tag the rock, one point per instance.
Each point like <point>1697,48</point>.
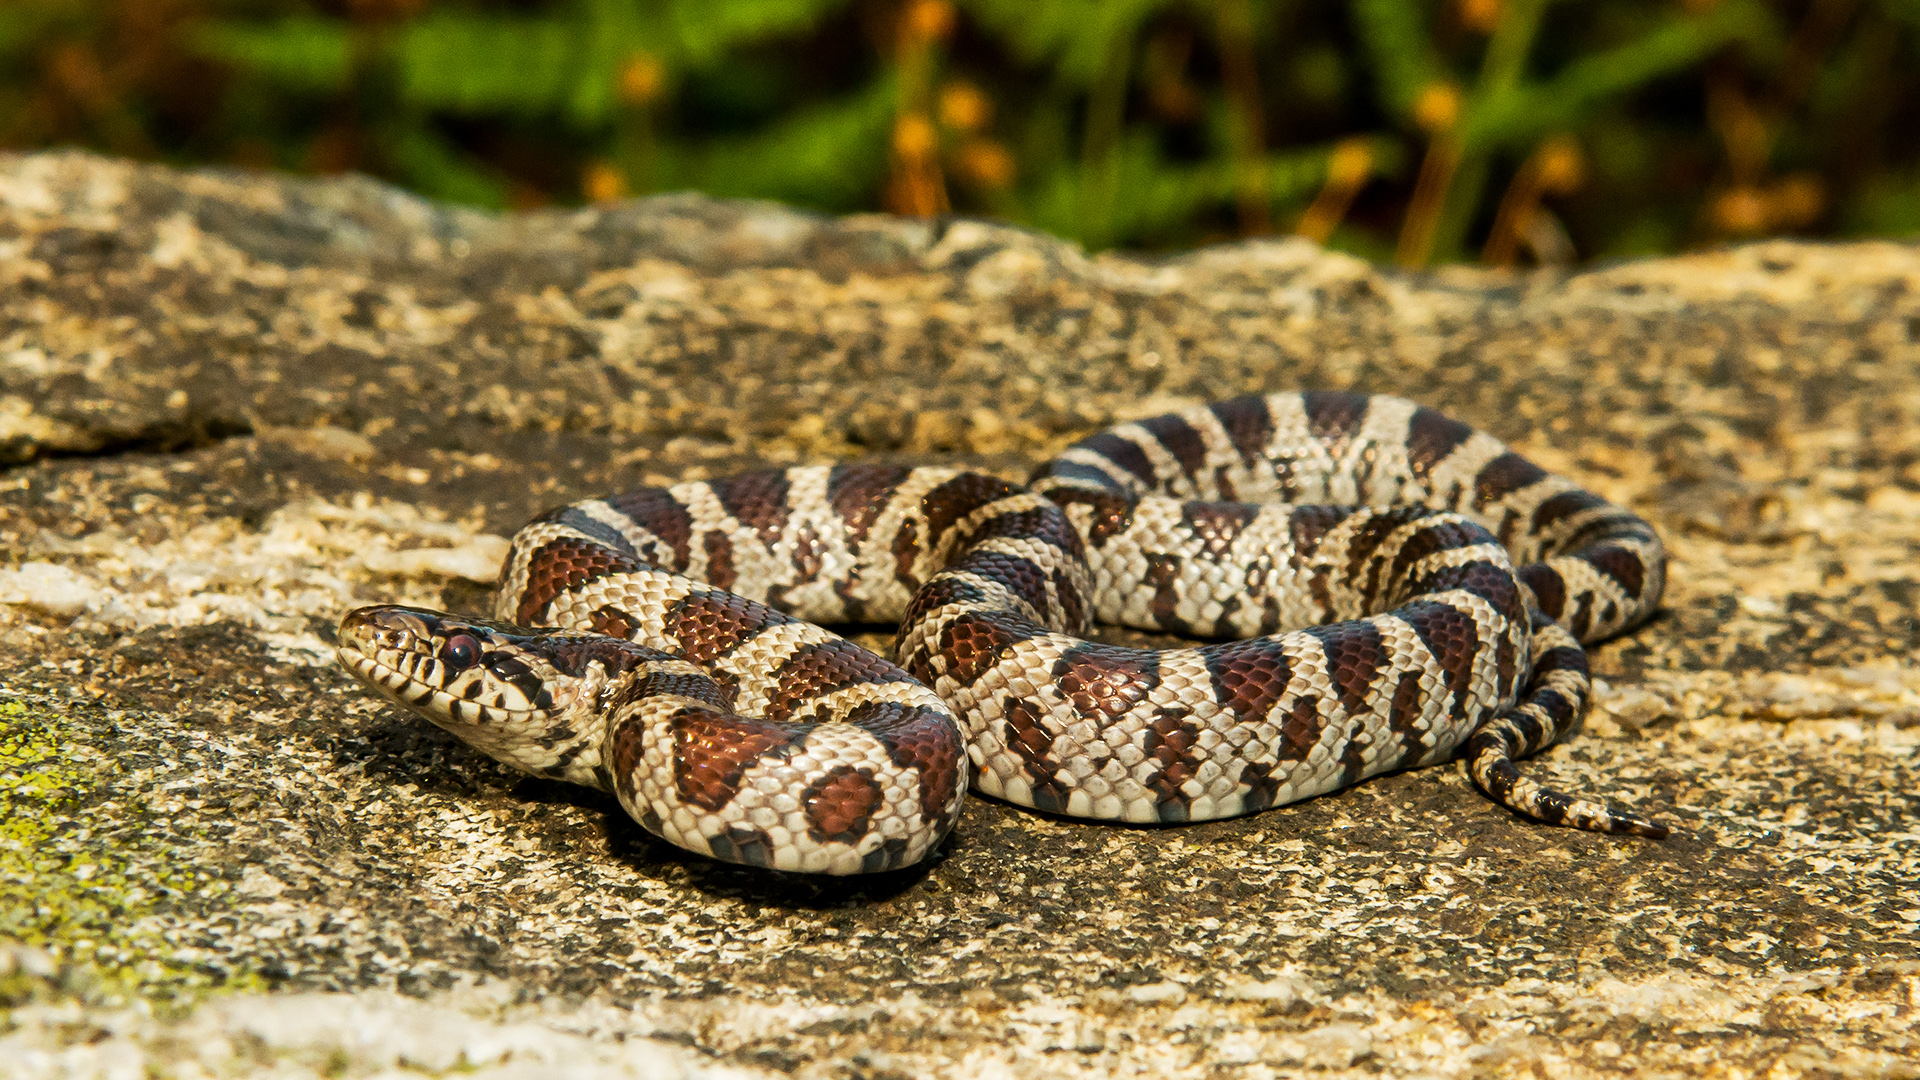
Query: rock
<point>236,405</point>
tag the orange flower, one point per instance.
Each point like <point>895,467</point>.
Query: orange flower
<point>985,163</point>
<point>1563,168</point>
<point>1742,210</point>
<point>926,21</point>
<point>641,79</point>
<point>1481,16</point>
<point>963,107</point>
<point>1437,107</point>
<point>602,182</point>
<point>913,136</point>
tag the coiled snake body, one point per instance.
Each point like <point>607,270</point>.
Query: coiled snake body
<point>1358,551</point>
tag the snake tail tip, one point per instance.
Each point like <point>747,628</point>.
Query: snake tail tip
<point>1635,825</point>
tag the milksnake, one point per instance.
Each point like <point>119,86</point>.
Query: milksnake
<point>1358,552</point>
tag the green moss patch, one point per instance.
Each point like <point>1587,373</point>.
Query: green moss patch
<point>80,875</point>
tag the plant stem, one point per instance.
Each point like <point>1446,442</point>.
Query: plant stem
<point>1251,197</point>
<point>1429,192</point>
<point>1500,71</point>
<point>1099,164</point>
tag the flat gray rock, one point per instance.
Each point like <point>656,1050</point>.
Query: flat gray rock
<point>235,406</point>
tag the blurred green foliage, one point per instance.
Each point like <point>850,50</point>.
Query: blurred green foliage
<point>1509,130</point>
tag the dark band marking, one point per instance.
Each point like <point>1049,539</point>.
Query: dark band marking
<point>719,551</point>
<point>1125,453</point>
<point>1558,708</point>
<point>1580,623</point>
<point>1028,738</point>
<point>686,684</point>
<point>710,625</point>
<point>1353,756</point>
<point>1300,729</point>
<point>1429,540</point>
<point>1619,525</point>
<point>1491,582</point>
<point>580,521</point>
<point>1163,577</point>
<point>573,656</point>
<point>1170,740</point>
<point>561,565</point>
<point>1502,477</point>
<point>1623,566</point>
<point>1356,654</point>
<point>1181,440</point>
<point>919,739</point>
<point>1112,512</point>
<point>859,493</point>
<point>1406,716</point>
<point>959,498</point>
<point>822,667</point>
<point>1453,639</point>
<point>1333,416</point>
<point>942,591</point>
<point>1217,524</point>
<point>1074,613</point>
<point>612,622</point>
<point>1308,525</point>
<point>906,551</point>
<point>1262,785</point>
<point>743,844</point>
<point>513,670</point>
<point>1103,682</point>
<point>1506,666</point>
<point>1249,677</point>
<point>971,645</point>
<point>1551,512</point>
<point>1364,571</point>
<point>840,804</point>
<point>712,752</point>
<point>658,512</point>
<point>757,500</point>
<point>1549,590</point>
<point>1248,424</point>
<point>1076,471</point>
<point>808,559</point>
<point>1045,523</point>
<point>1430,438</point>
<point>1020,576</point>
<point>626,752</point>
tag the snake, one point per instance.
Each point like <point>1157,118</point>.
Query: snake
<point>1371,586</point>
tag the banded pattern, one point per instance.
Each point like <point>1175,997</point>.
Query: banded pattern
<point>1359,553</point>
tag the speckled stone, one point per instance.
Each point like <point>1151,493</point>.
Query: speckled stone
<point>236,405</point>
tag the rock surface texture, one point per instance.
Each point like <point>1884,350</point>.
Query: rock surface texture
<point>234,406</point>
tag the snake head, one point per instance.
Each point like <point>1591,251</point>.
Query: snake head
<point>452,670</point>
<point>489,682</point>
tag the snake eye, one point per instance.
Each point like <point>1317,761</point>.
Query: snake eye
<point>460,652</point>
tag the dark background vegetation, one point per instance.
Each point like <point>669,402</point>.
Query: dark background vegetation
<point>1499,130</point>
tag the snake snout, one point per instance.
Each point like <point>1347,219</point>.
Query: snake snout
<point>386,627</point>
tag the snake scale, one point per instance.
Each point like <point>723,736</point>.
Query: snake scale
<point>1356,555</point>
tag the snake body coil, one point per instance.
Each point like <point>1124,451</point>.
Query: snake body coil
<point>1358,551</point>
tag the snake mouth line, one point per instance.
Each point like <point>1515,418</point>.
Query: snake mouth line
<point>423,697</point>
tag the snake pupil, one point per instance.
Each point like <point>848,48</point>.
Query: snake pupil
<point>460,652</point>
